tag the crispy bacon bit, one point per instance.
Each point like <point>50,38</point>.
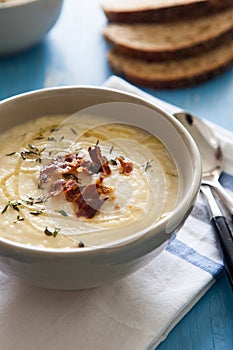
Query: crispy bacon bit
<point>101,188</point>
<point>75,161</point>
<point>71,190</point>
<point>89,202</point>
<point>63,174</point>
<point>126,167</point>
<point>100,162</point>
<point>70,158</point>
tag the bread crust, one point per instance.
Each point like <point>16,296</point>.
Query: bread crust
<point>181,83</point>
<point>167,82</point>
<point>161,14</point>
<point>160,54</point>
<point>176,54</point>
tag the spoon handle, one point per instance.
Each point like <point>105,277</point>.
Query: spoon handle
<point>223,231</point>
<point>222,193</point>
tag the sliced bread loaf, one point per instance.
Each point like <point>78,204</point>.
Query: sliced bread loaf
<point>160,10</point>
<point>174,73</point>
<point>160,41</point>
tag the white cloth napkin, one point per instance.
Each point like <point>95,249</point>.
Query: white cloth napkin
<point>135,313</point>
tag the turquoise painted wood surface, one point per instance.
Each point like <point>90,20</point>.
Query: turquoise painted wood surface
<point>74,52</point>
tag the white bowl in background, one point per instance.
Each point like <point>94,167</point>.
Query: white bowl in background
<point>96,266</point>
<point>24,23</point>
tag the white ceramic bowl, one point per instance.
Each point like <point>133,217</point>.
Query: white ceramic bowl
<point>90,267</point>
<point>24,22</point>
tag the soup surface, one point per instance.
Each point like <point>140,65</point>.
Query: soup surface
<point>75,185</point>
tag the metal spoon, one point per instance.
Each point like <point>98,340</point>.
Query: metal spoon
<point>211,153</point>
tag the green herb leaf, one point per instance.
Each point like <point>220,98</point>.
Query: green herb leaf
<point>81,244</point>
<point>23,156</point>
<point>52,139</point>
<point>40,187</point>
<point>41,199</point>
<point>51,233</point>
<point>62,212</point>
<point>32,153</point>
<point>148,165</point>
<point>113,162</point>
<point>73,131</point>
<point>33,147</point>
<point>12,204</point>
<point>15,205</point>
<point>19,218</point>
<point>36,213</point>
<point>5,209</point>
<point>54,129</point>
<point>29,201</point>
<point>39,137</point>
<point>10,154</point>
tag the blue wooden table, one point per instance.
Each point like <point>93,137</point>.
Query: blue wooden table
<point>74,52</point>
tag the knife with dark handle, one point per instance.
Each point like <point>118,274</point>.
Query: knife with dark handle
<point>223,231</point>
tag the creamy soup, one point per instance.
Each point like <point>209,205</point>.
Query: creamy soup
<point>67,185</point>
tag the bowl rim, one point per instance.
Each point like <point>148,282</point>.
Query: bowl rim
<point>192,193</point>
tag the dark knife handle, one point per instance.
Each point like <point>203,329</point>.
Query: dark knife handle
<point>226,242</point>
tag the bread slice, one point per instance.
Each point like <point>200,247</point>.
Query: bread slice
<point>174,73</point>
<point>160,10</point>
<point>161,41</point>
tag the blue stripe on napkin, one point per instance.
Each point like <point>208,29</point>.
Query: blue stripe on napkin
<point>227,181</point>
<point>183,251</point>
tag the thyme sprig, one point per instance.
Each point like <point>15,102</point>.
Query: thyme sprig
<point>73,131</point>
<point>18,219</point>
<point>32,153</point>
<point>10,154</point>
<point>39,200</point>
<point>12,204</point>
<point>36,212</point>
<point>148,165</point>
